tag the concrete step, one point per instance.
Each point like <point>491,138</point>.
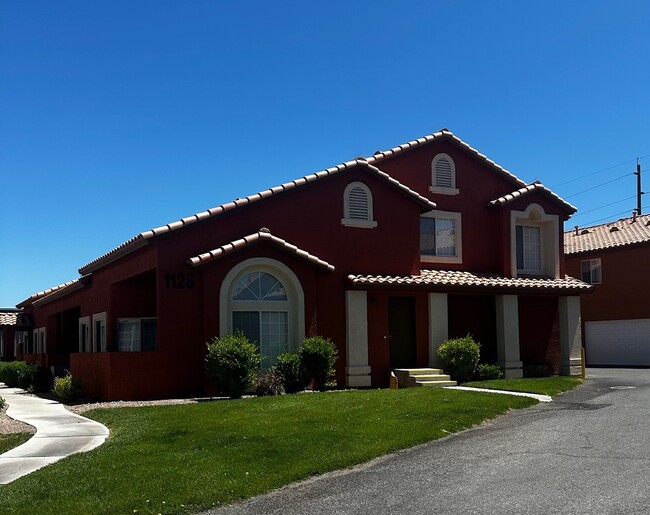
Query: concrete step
<point>412,371</point>
<point>435,384</point>
<point>431,377</point>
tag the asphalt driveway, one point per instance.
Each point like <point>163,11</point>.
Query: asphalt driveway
<point>586,452</point>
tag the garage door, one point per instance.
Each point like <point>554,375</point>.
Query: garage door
<point>618,342</point>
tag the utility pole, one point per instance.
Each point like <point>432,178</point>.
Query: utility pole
<point>638,187</point>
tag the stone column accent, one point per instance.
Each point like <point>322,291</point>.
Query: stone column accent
<point>357,371</point>
<point>438,325</point>
<point>570,336</point>
<point>507,310</point>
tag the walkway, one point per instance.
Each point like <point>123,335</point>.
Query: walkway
<point>59,433</point>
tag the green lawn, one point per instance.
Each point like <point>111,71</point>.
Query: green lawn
<point>185,458</point>
<point>543,385</point>
<point>10,441</point>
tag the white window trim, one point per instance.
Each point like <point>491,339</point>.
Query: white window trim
<point>591,269</point>
<point>99,317</point>
<point>356,222</point>
<point>84,327</point>
<point>434,188</point>
<point>535,216</point>
<point>456,217</point>
<point>39,342</point>
<point>296,298</point>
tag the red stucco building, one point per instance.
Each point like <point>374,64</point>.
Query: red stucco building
<point>387,255</point>
<point>614,258</point>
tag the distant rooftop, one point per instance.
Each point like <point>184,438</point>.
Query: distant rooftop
<point>621,233</point>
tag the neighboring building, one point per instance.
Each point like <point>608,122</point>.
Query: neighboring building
<point>614,257</point>
<point>14,333</point>
<point>387,255</point>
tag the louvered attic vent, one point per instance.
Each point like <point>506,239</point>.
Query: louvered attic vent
<point>358,204</point>
<point>444,174</point>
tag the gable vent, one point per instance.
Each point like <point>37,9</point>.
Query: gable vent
<point>358,208</point>
<point>444,174</point>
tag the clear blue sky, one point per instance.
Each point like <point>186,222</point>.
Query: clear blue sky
<point>116,117</point>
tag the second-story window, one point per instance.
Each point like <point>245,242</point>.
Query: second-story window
<point>529,249</point>
<point>592,271</point>
<point>440,237</point>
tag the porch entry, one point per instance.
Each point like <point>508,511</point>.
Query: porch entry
<point>401,332</point>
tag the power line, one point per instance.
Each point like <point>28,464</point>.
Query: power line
<point>594,222</point>
<point>605,205</point>
<point>599,185</point>
<point>598,171</point>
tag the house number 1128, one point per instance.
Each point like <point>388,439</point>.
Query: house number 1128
<point>179,280</point>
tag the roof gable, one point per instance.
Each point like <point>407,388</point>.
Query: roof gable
<point>142,238</point>
<point>263,235</point>
<point>535,187</point>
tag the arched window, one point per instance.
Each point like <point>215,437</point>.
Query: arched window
<point>263,299</point>
<point>357,206</point>
<point>443,175</point>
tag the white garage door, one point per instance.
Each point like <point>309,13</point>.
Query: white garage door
<point>618,342</point>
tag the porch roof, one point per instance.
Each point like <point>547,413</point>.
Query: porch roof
<point>460,281</point>
<point>14,317</point>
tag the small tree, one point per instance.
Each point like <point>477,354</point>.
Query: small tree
<point>232,364</point>
<point>317,356</point>
<point>459,357</point>
<point>290,369</point>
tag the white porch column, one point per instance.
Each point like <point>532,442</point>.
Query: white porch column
<point>357,371</point>
<point>570,336</point>
<point>507,309</point>
<point>438,325</point>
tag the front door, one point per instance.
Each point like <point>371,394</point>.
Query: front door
<point>401,327</point>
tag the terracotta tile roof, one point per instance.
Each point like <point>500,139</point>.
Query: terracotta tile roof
<point>14,317</point>
<point>51,293</point>
<point>623,232</point>
<point>262,235</point>
<point>141,239</point>
<point>535,186</point>
<point>444,280</point>
<point>440,135</point>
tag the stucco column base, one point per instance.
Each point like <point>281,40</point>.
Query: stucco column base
<point>572,367</point>
<point>357,377</point>
<point>511,369</point>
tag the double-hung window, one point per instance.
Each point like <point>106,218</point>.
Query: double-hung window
<point>440,239</point>
<point>529,249</point>
<point>136,334</point>
<point>592,271</point>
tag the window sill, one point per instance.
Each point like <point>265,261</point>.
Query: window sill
<point>444,191</point>
<point>366,224</point>
<point>441,259</point>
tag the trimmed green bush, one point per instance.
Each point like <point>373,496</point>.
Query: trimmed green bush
<point>459,357</point>
<point>232,364</point>
<point>289,368</point>
<point>317,356</point>
<point>19,374</point>
<point>269,384</point>
<point>488,372</point>
<point>67,388</point>
<point>2,403</point>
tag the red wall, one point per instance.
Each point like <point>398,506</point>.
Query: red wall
<point>625,289</point>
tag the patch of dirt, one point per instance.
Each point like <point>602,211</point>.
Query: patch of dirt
<point>9,426</point>
<point>81,408</point>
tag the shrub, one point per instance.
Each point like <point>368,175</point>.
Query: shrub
<point>67,388</point>
<point>2,403</point>
<point>19,374</point>
<point>459,357</point>
<point>487,372</point>
<point>269,384</point>
<point>290,370</point>
<point>232,364</point>
<point>538,370</point>
<point>317,356</point>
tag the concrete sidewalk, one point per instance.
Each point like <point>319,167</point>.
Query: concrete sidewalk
<point>59,433</point>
